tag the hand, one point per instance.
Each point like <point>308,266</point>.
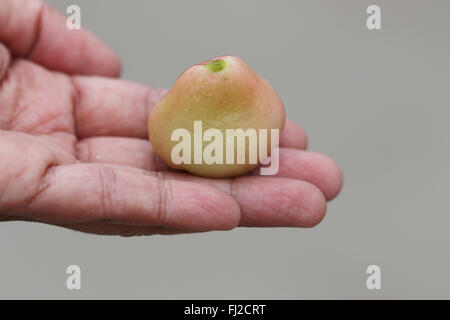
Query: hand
<point>74,150</point>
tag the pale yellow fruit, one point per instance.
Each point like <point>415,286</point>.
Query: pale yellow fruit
<point>223,93</point>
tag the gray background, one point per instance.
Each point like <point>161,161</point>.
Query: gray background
<point>375,101</point>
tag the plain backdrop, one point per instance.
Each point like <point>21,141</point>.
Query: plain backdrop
<point>375,101</point>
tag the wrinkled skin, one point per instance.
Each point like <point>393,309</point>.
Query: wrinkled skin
<point>74,150</point>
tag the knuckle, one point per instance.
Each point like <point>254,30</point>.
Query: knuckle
<point>164,189</point>
<point>108,178</point>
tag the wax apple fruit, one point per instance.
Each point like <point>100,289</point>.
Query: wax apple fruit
<point>223,93</point>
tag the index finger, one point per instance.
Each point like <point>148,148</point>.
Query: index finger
<point>32,29</point>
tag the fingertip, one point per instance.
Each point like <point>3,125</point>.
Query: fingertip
<point>335,180</point>
<point>104,63</point>
<point>293,136</point>
<point>312,167</point>
<point>327,175</point>
<point>316,205</point>
<point>279,202</point>
<point>307,204</point>
<point>74,51</point>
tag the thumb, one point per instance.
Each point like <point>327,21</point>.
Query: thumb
<point>123,195</point>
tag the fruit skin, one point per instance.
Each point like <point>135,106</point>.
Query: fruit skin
<point>226,95</point>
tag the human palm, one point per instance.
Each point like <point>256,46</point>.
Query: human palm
<point>74,150</point>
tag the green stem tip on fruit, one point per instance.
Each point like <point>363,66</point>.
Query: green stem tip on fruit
<point>216,65</point>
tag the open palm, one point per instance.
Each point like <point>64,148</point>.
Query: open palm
<point>74,150</point>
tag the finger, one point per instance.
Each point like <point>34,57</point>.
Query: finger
<point>72,194</point>
<point>313,167</point>
<point>293,136</point>
<point>5,59</point>
<point>278,202</point>
<point>269,201</point>
<point>32,29</point>
<point>263,201</point>
<point>110,107</point>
